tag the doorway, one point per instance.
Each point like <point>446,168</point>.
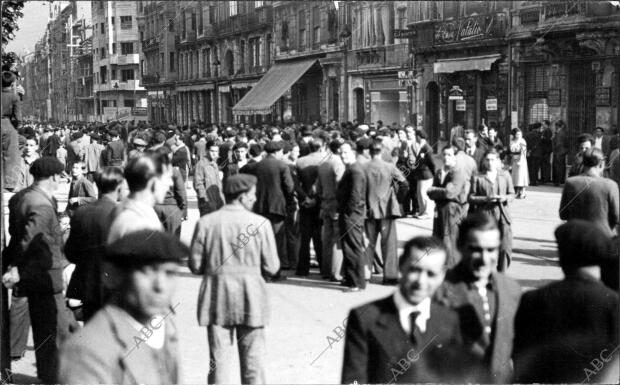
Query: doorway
<point>359,104</point>
<point>432,112</point>
<point>581,102</point>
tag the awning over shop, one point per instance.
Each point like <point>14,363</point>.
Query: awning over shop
<point>475,63</point>
<point>271,87</point>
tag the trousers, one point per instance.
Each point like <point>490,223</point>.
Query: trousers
<point>279,231</point>
<point>425,204</point>
<point>389,259</point>
<point>353,251</point>
<point>310,230</point>
<point>331,264</point>
<point>226,343</point>
<point>20,325</point>
<point>171,218</point>
<point>291,225</point>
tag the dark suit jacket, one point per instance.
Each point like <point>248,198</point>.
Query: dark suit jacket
<point>84,190</point>
<point>249,168</point>
<point>560,143</point>
<point>424,167</point>
<point>478,156</point>
<point>85,248</point>
<point>534,145</point>
<point>36,241</point>
<point>383,181</point>
<point>351,193</point>
<point>561,327</point>
<point>376,342</point>
<point>307,168</point>
<point>115,153</point>
<point>593,199</point>
<point>108,350</point>
<point>454,292</point>
<point>274,190</point>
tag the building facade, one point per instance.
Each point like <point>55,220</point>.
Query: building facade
<point>374,60</point>
<point>566,64</point>
<point>118,92</point>
<point>304,84</point>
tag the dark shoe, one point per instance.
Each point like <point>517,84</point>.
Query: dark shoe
<point>302,274</point>
<point>276,278</point>
<point>334,279</point>
<point>389,282</point>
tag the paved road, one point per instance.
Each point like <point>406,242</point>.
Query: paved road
<point>303,339</point>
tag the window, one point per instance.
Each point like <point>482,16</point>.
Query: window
<point>102,28</point>
<point>113,74</point>
<point>316,26</point>
<point>103,52</point>
<point>211,14</point>
<point>302,30</point>
<point>129,103</point>
<point>162,63</point>
<point>126,22</point>
<point>127,75</point>
<point>171,25</point>
<point>258,4</point>
<point>450,9</point>
<point>284,34</point>
<point>193,21</point>
<point>171,65</point>
<point>103,73</point>
<point>112,20</point>
<point>402,18</point>
<point>268,51</point>
<point>113,48</point>
<point>127,48</point>
<point>232,7</point>
<point>200,23</point>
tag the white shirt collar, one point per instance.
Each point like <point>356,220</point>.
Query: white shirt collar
<point>405,309</point>
<point>153,333</point>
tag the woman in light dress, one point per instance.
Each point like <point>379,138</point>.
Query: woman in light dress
<point>520,175</point>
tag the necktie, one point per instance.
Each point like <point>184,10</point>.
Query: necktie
<point>412,318</point>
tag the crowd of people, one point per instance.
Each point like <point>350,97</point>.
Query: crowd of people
<point>266,194</point>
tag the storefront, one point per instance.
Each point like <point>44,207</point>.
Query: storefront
<point>461,68</point>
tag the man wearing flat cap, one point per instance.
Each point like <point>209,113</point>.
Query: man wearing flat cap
<point>231,248</point>
<point>132,339</point>
<point>35,262</point>
<point>562,327</point>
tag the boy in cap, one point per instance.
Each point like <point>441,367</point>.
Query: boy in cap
<point>35,262</point>
<point>115,151</point>
<point>132,339</point>
<point>231,248</point>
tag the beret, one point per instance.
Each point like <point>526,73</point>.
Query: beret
<point>581,243</point>
<point>46,166</point>
<point>273,146</point>
<point>94,136</point>
<point>113,133</point>
<point>239,183</point>
<point>145,247</point>
<point>8,78</point>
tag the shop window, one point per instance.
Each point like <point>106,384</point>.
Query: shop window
<point>538,110</point>
<point>171,61</point>
<point>129,103</point>
<point>232,6</point>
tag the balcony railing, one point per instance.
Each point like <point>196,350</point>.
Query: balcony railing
<point>260,17</point>
<point>188,37</point>
<point>150,79</point>
<point>551,11</point>
<point>390,55</point>
<point>149,43</point>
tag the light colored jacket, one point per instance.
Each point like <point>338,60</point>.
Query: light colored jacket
<point>109,350</point>
<point>230,248</point>
<point>132,215</point>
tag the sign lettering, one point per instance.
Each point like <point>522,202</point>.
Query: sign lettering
<point>470,28</point>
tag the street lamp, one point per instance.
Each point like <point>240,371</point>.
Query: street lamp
<point>117,101</point>
<point>344,37</point>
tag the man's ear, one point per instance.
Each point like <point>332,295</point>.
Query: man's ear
<point>111,276</point>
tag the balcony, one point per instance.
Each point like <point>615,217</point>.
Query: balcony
<point>150,43</point>
<point>129,85</point>
<point>149,80</point>
<point>261,17</point>
<point>384,56</point>
<point>188,37</point>
<point>552,12</point>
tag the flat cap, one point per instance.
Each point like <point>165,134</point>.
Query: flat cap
<point>239,183</point>
<point>145,247</point>
<point>363,127</point>
<point>94,136</point>
<point>113,133</point>
<point>581,243</point>
<point>363,143</point>
<point>45,167</point>
<point>273,146</point>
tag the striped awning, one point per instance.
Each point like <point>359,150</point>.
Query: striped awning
<point>474,63</point>
<point>271,87</point>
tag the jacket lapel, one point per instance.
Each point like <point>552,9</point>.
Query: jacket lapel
<point>389,327</point>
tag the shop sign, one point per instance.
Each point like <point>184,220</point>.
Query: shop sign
<point>403,33</point>
<point>461,105</point>
<point>224,89</point>
<point>491,104</point>
<point>470,28</point>
<point>455,93</point>
<point>138,111</point>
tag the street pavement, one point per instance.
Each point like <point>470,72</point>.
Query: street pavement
<point>308,315</point>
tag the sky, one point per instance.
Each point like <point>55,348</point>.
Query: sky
<point>31,27</point>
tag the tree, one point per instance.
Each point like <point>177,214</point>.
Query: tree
<point>11,13</point>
